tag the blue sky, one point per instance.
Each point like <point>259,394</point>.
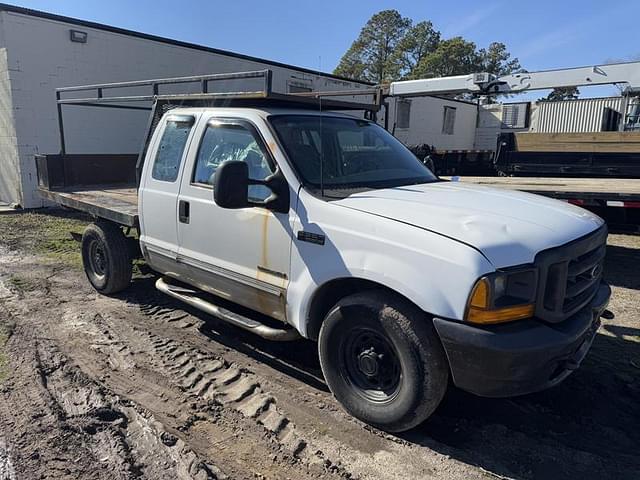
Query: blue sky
<point>543,34</point>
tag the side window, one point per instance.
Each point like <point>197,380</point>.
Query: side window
<point>223,142</point>
<point>404,113</point>
<point>169,155</point>
<point>449,120</point>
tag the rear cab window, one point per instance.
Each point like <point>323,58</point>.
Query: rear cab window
<point>168,158</point>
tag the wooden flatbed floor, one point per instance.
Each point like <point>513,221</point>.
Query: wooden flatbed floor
<point>612,189</point>
<point>116,203</point>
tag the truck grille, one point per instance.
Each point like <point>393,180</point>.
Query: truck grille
<point>570,276</point>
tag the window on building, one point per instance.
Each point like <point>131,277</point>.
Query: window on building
<point>232,142</point>
<point>171,149</point>
<point>449,120</point>
<point>404,114</point>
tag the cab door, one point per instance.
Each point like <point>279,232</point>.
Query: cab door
<point>241,255</point>
<point>158,202</point>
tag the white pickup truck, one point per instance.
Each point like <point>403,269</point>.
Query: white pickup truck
<point>323,225</point>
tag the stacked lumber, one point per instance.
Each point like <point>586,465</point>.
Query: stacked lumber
<point>593,142</point>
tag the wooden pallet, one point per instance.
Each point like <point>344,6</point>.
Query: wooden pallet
<point>595,142</point>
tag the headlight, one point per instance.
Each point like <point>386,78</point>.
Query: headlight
<point>503,297</point>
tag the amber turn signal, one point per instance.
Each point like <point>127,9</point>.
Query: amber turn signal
<point>479,308</point>
<point>499,315</point>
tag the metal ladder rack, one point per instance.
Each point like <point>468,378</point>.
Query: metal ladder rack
<point>264,96</point>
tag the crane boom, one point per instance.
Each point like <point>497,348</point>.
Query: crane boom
<point>488,84</point>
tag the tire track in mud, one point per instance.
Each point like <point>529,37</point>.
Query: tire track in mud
<point>96,430</point>
<point>212,378</point>
<point>216,386</point>
<point>159,306</point>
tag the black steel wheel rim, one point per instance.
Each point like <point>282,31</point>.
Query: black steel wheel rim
<point>97,258</point>
<point>371,365</point>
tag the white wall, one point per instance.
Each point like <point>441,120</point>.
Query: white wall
<point>425,125</point>
<point>489,125</point>
<point>9,160</point>
<point>41,57</point>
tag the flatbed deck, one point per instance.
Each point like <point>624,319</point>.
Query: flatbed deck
<point>587,189</point>
<point>116,203</point>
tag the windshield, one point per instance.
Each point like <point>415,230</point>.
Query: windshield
<point>347,153</point>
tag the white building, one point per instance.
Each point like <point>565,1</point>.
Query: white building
<point>40,52</point>
<point>447,124</point>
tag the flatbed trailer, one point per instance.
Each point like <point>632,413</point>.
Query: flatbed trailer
<point>600,192</point>
<point>617,200</point>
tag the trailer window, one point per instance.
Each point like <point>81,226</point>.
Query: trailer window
<point>449,120</point>
<point>170,151</point>
<point>404,113</point>
<point>223,142</point>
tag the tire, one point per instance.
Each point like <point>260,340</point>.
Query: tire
<point>106,257</point>
<point>399,383</point>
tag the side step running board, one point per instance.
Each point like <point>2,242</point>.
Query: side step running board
<point>189,296</point>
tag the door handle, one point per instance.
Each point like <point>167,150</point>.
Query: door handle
<point>183,211</point>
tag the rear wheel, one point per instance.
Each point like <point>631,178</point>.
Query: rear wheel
<point>383,360</point>
<point>106,257</point>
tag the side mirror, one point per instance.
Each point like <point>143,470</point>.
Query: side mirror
<point>231,185</point>
<point>231,188</point>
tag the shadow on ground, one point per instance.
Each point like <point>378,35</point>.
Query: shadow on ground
<point>586,427</point>
<point>622,266</point>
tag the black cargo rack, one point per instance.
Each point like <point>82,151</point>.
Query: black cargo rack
<point>262,97</point>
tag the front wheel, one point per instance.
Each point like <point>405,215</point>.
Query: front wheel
<point>383,360</point>
<point>106,257</point>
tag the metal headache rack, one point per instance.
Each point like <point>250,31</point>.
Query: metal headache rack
<point>159,102</point>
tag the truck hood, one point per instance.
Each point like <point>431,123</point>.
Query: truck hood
<point>507,227</point>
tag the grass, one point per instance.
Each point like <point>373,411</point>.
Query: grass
<point>46,233</point>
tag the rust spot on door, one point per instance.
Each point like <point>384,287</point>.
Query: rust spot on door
<point>264,245</point>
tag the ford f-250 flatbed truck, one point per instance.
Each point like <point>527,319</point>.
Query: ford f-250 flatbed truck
<point>322,225</point>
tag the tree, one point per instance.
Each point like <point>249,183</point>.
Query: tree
<point>497,60</point>
<point>561,93</point>
<point>374,54</point>
<point>455,56</point>
<point>390,47</point>
<point>420,40</point>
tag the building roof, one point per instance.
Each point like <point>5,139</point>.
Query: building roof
<point>122,31</point>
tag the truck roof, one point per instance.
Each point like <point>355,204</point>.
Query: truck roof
<point>263,112</point>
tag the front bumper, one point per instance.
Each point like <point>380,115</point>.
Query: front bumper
<point>523,356</point>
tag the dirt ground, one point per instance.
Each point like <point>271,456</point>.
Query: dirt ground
<point>138,386</point>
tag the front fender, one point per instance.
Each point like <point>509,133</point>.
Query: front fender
<point>434,272</point>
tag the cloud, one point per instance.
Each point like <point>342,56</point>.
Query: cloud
<point>549,41</point>
<point>568,34</point>
<point>468,22</point>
